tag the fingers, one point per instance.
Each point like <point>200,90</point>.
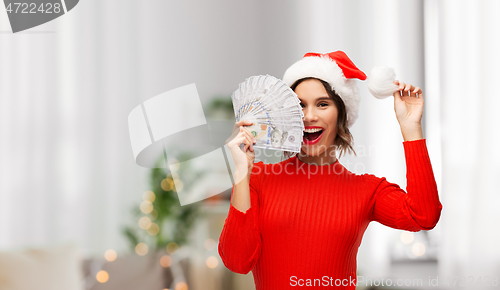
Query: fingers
<point>242,143</point>
<point>236,127</point>
<point>244,123</point>
<point>240,140</point>
<point>404,87</point>
<point>241,123</point>
<point>243,129</point>
<point>397,95</point>
<point>400,84</point>
<point>249,137</point>
<point>408,89</point>
<point>239,128</point>
<point>246,138</point>
<point>417,91</point>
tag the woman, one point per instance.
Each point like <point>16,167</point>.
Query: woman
<point>300,222</point>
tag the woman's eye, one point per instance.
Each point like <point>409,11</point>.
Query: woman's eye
<point>318,104</point>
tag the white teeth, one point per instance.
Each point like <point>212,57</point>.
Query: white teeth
<point>312,130</point>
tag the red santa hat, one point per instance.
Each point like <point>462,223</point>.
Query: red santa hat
<point>340,72</point>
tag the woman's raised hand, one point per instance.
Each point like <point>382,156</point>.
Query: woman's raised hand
<point>408,104</point>
<point>243,156</point>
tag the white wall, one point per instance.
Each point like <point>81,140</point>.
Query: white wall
<point>67,86</point>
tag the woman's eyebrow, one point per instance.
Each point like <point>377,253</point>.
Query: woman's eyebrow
<point>319,99</point>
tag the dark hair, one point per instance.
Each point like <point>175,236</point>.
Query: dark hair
<point>343,140</point>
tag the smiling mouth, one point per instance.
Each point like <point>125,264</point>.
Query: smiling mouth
<point>312,136</point>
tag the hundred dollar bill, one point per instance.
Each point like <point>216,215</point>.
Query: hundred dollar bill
<point>273,136</point>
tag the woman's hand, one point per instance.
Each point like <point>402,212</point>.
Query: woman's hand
<point>409,106</point>
<point>243,157</point>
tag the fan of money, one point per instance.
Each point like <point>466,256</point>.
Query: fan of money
<point>274,109</point>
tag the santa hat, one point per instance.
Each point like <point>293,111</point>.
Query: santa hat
<point>339,71</point>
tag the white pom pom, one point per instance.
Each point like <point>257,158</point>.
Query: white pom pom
<point>381,82</point>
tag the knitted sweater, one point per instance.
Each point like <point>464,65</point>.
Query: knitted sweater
<point>306,221</point>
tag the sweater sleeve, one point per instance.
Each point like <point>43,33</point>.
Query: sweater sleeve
<point>240,239</point>
<point>417,209</point>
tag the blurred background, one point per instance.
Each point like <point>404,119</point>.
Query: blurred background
<point>73,200</point>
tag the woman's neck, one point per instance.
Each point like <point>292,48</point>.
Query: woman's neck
<point>324,158</point>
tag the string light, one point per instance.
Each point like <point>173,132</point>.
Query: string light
<point>110,255</point>
<point>418,249</point>
<point>149,196</point>
<point>209,244</point>
<point>167,184</point>
<point>181,286</point>
<point>144,223</point>
<point>178,184</point>
<point>154,214</point>
<point>146,207</point>
<point>172,247</point>
<point>165,261</point>
<point>153,230</point>
<point>212,262</point>
<point>173,175</point>
<point>102,276</point>
<point>407,237</point>
<point>141,249</point>
<point>173,164</point>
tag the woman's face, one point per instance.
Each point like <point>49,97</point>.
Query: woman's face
<point>319,111</point>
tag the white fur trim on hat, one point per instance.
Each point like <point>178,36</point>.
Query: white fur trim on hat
<point>326,69</point>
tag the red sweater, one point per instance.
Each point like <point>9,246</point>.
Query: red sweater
<point>307,221</point>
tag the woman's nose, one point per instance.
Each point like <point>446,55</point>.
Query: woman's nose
<point>309,115</point>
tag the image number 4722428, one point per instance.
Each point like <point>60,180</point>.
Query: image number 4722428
<point>26,14</point>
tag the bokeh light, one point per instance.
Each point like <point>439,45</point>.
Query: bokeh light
<point>165,261</point>
<point>173,175</point>
<point>154,214</point>
<point>167,184</point>
<point>154,229</point>
<point>173,164</point>
<point>149,196</point>
<point>212,262</point>
<point>141,249</point>
<point>418,249</point>
<point>178,185</point>
<point>102,276</point>
<point>144,222</point>
<point>181,286</point>
<point>172,247</point>
<point>146,207</point>
<point>407,237</point>
<point>209,244</point>
<point>110,255</point>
